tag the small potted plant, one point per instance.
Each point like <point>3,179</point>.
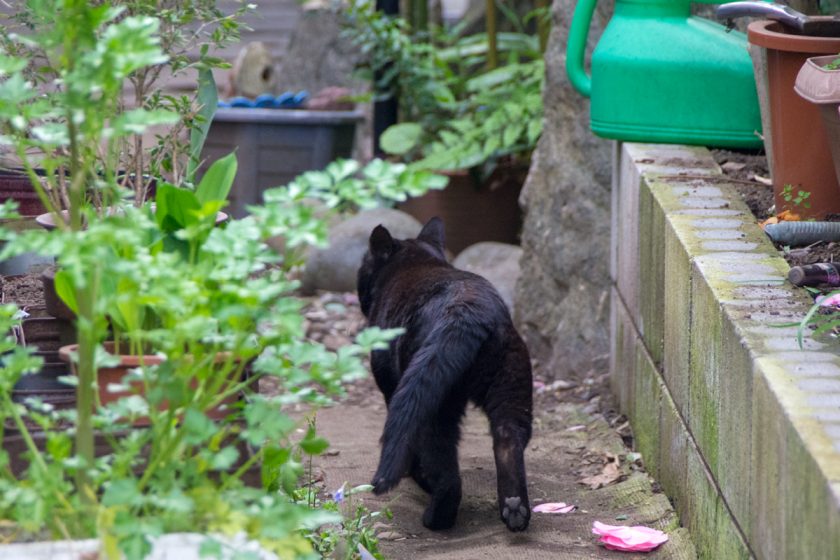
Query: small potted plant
<point>818,82</point>
<point>797,153</point>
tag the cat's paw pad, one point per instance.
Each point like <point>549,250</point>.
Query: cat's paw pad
<point>515,514</point>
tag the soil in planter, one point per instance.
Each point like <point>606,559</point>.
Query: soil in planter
<point>25,290</point>
<point>743,168</point>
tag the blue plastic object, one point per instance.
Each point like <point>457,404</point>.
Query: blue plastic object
<point>286,100</point>
<point>241,102</point>
<point>265,100</point>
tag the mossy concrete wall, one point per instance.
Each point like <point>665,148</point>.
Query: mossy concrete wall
<point>740,425</point>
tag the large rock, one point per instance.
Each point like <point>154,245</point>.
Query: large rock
<point>563,294</point>
<point>317,55</point>
<point>335,267</point>
<point>498,262</point>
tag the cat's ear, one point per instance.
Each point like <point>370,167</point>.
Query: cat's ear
<point>432,233</point>
<point>381,243</point>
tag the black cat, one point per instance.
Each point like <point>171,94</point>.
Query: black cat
<point>459,345</point>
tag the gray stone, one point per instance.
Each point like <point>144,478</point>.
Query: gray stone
<point>317,56</point>
<point>334,268</point>
<point>562,295</point>
<point>498,262</point>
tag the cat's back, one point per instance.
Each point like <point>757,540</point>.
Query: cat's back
<point>435,292</point>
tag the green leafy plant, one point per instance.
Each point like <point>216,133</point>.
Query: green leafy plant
<point>799,199</point>
<point>458,109</point>
<point>174,449</point>
<point>346,538</point>
<point>187,32</point>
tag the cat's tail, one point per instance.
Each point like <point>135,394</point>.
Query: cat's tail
<point>434,370</point>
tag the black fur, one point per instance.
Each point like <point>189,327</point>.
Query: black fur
<point>459,345</point>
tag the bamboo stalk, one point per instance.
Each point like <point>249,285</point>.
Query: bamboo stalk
<point>543,23</point>
<point>492,49</point>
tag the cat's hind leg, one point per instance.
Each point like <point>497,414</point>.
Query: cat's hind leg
<point>439,470</point>
<point>416,472</point>
<point>511,430</point>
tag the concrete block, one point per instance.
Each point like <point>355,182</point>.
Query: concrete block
<point>677,314</point>
<point>705,355</point>
<point>623,340</point>
<point>794,511</point>
<point>625,212</point>
<point>646,410</point>
<point>715,535</point>
<point>674,449</point>
<point>651,273</point>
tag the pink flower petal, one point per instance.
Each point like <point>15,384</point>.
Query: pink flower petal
<point>635,539</point>
<point>555,507</point>
<point>829,301</point>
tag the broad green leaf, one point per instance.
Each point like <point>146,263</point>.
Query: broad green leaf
<point>64,289</point>
<point>216,183</point>
<point>208,100</point>
<point>175,207</point>
<point>399,139</point>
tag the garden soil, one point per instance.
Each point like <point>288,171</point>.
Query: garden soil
<point>573,440</point>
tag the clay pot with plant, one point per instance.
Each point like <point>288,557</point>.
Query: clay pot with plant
<point>797,146</point>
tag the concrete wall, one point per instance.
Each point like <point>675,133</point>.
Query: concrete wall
<point>740,426</point>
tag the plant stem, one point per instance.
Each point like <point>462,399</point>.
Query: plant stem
<point>85,394</point>
<point>37,456</point>
<point>166,453</point>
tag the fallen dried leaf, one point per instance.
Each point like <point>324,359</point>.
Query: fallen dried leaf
<point>609,474</point>
<point>789,216</point>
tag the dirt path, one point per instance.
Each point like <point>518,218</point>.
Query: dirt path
<point>556,459</point>
<point>568,444</point>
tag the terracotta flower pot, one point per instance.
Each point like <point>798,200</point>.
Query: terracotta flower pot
<point>473,212</point>
<point>47,220</point>
<point>796,142</point>
<point>114,376</point>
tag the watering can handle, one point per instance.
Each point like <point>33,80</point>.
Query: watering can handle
<point>576,47</point>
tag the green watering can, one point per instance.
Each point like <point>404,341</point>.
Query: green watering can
<point>660,74</point>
